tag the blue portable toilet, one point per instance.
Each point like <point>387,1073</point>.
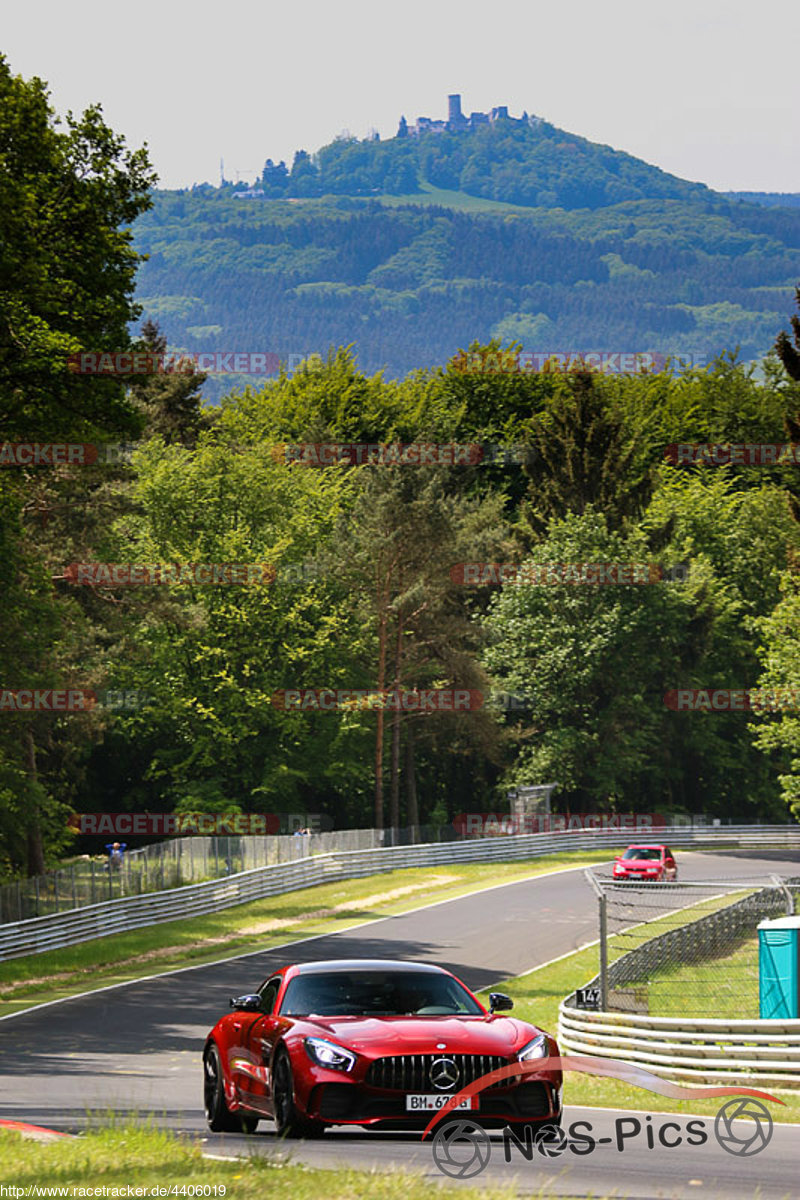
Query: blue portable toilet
<point>779,968</point>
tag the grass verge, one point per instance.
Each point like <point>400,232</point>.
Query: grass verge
<point>148,1158</point>
<point>726,986</point>
<point>326,908</point>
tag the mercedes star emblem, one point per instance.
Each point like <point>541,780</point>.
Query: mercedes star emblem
<point>444,1074</point>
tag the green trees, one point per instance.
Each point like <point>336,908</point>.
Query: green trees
<point>596,660</point>
<point>788,348</point>
<point>67,267</point>
<point>601,659</point>
<point>396,545</point>
<point>585,454</point>
<point>673,279</point>
<point>214,656</point>
<point>778,730</point>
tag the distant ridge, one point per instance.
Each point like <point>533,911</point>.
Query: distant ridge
<point>413,247</point>
<point>770,199</point>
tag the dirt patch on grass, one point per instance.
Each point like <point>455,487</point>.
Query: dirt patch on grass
<point>234,938</point>
<point>362,903</point>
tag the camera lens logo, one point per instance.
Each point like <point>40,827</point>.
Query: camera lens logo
<point>551,1141</point>
<point>752,1132</point>
<point>461,1149</point>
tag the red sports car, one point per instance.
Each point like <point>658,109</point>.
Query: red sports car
<point>370,1042</point>
<point>653,861</point>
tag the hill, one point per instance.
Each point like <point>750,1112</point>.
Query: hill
<point>517,161</point>
<point>419,245</point>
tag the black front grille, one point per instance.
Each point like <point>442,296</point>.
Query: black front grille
<point>411,1072</point>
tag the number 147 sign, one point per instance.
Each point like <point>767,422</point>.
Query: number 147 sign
<point>588,997</point>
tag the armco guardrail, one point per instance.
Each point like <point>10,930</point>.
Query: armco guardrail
<point>37,934</point>
<point>177,862</point>
<point>697,1050</point>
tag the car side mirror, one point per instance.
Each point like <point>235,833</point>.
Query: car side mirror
<point>499,1002</point>
<point>249,1003</point>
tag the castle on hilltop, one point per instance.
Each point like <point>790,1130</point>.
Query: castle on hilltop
<point>458,121</point>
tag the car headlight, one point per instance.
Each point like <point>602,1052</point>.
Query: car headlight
<point>538,1048</point>
<point>328,1054</point>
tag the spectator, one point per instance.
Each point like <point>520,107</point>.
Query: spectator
<point>116,851</point>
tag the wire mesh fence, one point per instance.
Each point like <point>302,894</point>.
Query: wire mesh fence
<point>173,863</point>
<point>685,949</point>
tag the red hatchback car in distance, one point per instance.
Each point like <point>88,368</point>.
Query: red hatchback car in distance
<point>653,862</point>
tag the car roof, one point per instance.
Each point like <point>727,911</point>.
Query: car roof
<point>367,964</point>
<point>647,846</point>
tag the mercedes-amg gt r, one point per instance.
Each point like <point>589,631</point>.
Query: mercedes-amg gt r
<point>371,1042</point>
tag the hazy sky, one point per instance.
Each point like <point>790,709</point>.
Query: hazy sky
<point>706,89</point>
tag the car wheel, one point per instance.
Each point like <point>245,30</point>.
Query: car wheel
<point>219,1116</point>
<point>288,1122</point>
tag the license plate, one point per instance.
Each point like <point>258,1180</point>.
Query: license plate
<point>428,1103</point>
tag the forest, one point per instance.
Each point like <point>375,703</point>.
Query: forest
<point>405,284</point>
<point>349,577</point>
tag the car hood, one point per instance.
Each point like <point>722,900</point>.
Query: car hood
<point>638,862</point>
<point>421,1035</point>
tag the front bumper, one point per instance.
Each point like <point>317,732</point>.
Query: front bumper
<point>354,1104</point>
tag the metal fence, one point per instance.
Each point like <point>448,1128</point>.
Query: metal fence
<point>34,935</point>
<point>180,861</point>
<point>684,949</point>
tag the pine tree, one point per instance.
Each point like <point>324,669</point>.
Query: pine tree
<point>790,354</point>
<point>170,403</point>
<point>583,454</point>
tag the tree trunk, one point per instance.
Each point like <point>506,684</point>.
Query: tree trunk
<point>394,803</point>
<point>412,809</point>
<point>34,832</point>
<point>394,799</point>
<point>380,719</point>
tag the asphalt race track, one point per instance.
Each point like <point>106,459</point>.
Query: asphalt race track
<point>136,1048</point>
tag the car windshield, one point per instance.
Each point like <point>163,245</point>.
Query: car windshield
<point>642,852</point>
<point>377,993</point>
